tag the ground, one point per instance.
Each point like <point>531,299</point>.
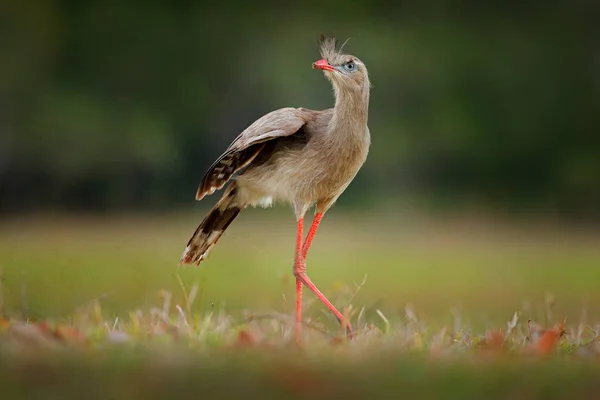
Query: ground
<point>459,307</point>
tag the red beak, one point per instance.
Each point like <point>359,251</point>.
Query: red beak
<point>323,64</point>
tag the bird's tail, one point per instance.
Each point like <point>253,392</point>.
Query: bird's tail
<point>212,227</point>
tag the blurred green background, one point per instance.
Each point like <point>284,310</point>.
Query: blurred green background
<point>110,112</point>
<point>115,104</point>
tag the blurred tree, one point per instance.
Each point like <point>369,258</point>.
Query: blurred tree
<point>117,104</point>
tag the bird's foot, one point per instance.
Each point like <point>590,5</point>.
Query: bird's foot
<point>303,279</point>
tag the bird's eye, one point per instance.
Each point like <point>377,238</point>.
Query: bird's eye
<point>350,66</point>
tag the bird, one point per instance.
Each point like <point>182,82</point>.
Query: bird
<point>298,156</point>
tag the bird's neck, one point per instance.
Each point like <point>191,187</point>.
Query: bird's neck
<point>350,114</point>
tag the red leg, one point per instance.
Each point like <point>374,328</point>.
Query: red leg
<point>311,234</point>
<point>299,267</point>
<point>302,277</point>
<point>306,280</point>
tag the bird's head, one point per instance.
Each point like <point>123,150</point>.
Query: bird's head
<point>345,71</point>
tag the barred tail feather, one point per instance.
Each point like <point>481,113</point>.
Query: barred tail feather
<point>212,227</point>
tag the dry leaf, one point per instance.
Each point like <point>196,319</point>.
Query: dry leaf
<point>550,338</point>
<point>70,335</point>
<point>494,340</point>
<point>244,339</point>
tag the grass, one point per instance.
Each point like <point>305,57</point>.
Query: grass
<point>97,307</point>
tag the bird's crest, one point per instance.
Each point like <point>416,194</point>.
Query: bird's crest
<point>329,49</point>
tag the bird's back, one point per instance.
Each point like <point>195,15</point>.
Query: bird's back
<point>306,167</point>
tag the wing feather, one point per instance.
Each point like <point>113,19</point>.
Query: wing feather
<point>244,148</point>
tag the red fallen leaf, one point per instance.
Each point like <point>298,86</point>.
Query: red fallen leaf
<point>336,341</point>
<point>44,328</point>
<point>494,340</point>
<point>549,339</point>
<point>244,339</point>
<point>4,323</point>
<point>70,335</point>
<point>547,342</point>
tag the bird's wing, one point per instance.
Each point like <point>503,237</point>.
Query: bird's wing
<point>245,147</point>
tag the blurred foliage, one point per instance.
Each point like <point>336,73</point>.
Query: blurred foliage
<point>119,104</point>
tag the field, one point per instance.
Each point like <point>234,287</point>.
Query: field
<point>459,307</point>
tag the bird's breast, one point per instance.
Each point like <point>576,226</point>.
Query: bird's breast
<point>339,162</point>
<point>321,169</point>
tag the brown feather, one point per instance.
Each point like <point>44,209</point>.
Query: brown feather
<point>245,147</point>
<point>212,227</point>
<point>225,167</point>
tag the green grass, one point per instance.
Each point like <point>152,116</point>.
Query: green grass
<point>483,271</point>
<point>124,321</point>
